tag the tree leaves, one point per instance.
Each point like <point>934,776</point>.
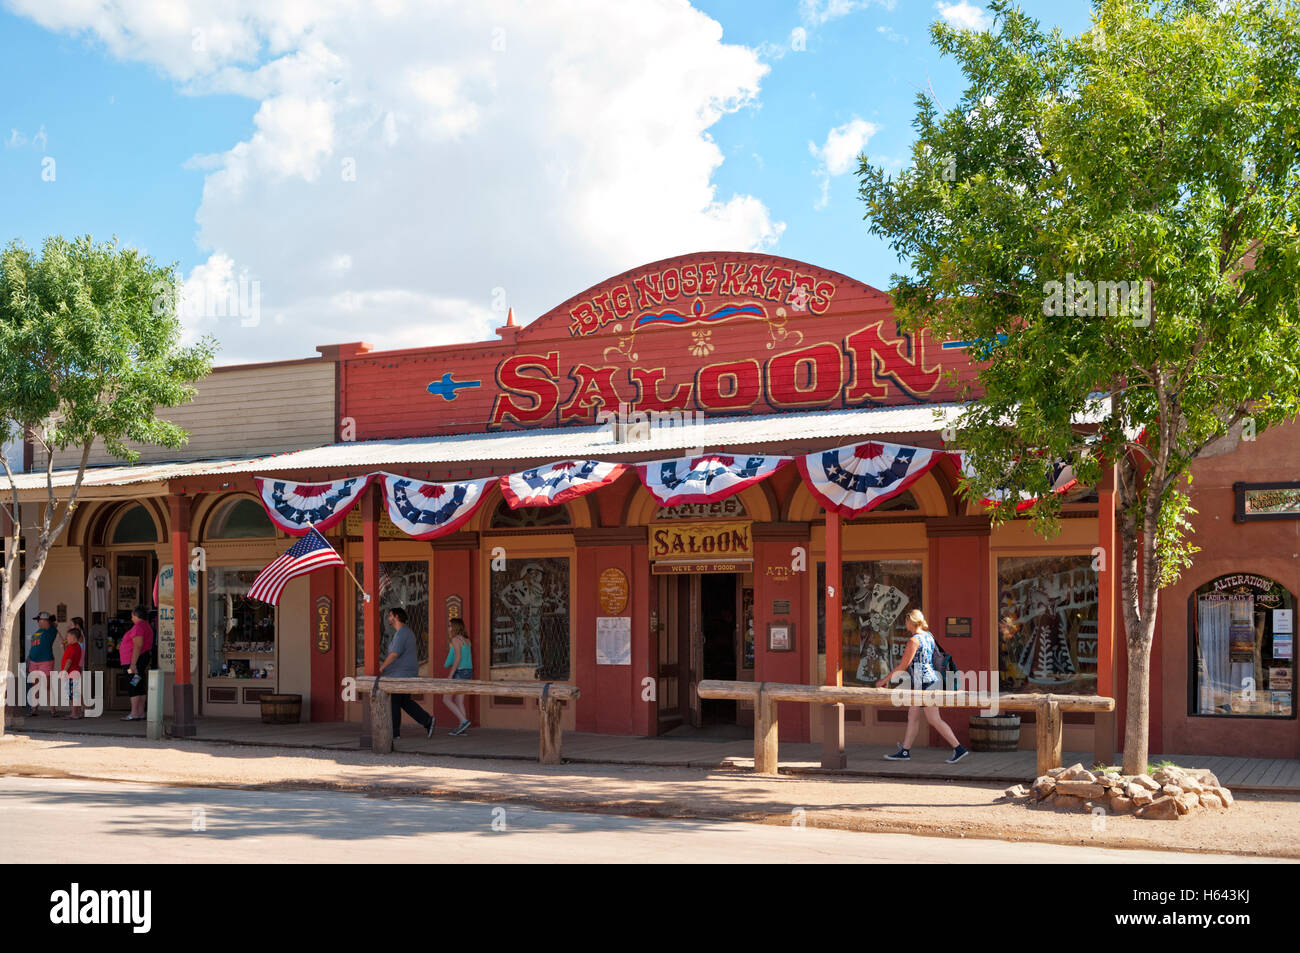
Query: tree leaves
<point>88,346</point>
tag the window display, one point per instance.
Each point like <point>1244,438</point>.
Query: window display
<point>529,604</point>
<point>1242,638</point>
<point>877,596</point>
<point>404,584</point>
<point>1047,624</point>
<point>241,631</point>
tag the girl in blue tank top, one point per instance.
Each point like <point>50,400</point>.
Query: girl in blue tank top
<point>461,663</point>
<point>918,664</point>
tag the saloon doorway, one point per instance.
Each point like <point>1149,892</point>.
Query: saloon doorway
<point>701,621</point>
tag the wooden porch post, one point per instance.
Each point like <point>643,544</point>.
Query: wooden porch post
<point>182,688</point>
<point>833,755</point>
<point>370,612</point>
<point>1104,722</point>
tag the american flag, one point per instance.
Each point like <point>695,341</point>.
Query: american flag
<point>311,552</point>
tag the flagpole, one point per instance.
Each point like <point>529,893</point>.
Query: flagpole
<point>345,566</point>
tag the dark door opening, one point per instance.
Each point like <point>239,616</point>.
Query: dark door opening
<point>719,633</point>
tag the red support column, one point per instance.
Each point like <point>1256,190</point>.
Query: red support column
<point>833,755</point>
<point>182,688</point>
<point>1104,722</point>
<point>370,613</point>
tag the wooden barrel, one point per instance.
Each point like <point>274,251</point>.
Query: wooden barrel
<point>281,709</point>
<point>999,733</point>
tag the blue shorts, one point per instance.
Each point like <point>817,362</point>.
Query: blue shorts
<point>463,673</point>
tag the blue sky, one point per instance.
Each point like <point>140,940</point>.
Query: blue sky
<point>217,144</point>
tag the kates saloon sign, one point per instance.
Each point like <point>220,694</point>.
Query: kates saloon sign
<point>720,336</point>
<point>714,333</point>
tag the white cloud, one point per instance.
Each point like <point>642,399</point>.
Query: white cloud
<point>839,153</point>
<point>17,139</point>
<point>891,35</point>
<point>408,159</point>
<point>818,12</point>
<point>964,15</point>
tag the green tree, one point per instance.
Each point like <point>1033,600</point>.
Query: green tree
<point>89,348</point>
<point>1158,149</point>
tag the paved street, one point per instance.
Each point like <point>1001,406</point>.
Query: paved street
<point>96,822</point>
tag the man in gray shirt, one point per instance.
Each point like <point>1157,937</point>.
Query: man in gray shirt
<point>403,661</point>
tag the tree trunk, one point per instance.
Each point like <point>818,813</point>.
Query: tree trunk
<point>1137,714</point>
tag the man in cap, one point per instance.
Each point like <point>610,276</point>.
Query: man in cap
<point>40,654</point>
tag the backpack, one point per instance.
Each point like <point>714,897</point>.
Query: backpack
<point>943,663</point>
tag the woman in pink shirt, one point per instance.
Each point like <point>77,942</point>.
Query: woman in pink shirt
<point>137,654</point>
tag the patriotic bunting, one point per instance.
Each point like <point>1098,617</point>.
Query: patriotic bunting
<point>558,482</point>
<point>1061,475</point>
<point>855,479</point>
<point>310,553</point>
<point>705,479</point>
<point>297,507</point>
<point>427,510</point>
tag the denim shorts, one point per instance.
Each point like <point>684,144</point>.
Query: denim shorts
<point>463,673</point>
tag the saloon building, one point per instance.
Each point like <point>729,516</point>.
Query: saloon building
<point>712,438</point>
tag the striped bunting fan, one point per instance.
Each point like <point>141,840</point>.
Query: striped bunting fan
<point>297,507</point>
<point>1060,475</point>
<point>428,510</point>
<point>310,553</point>
<point>705,479</point>
<point>855,479</point>
<point>558,482</point>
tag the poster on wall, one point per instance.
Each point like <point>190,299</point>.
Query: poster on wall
<point>128,593</point>
<point>1282,645</point>
<point>614,640</point>
<point>1282,619</point>
<point>1241,640</point>
<point>167,620</point>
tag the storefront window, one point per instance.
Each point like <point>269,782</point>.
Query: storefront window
<point>529,604</point>
<point>877,596</point>
<point>1047,624</point>
<point>1242,645</point>
<point>135,526</point>
<point>241,631</point>
<point>241,519</point>
<point>404,584</point>
<point>529,516</point>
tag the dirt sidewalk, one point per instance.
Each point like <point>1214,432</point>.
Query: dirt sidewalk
<point>1264,825</point>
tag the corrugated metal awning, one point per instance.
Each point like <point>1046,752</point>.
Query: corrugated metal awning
<point>711,434</point>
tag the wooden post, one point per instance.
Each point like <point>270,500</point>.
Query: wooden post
<point>833,755</point>
<point>1104,722</point>
<point>1049,734</point>
<point>381,721</point>
<point>551,711</point>
<point>182,688</point>
<point>370,613</point>
<point>765,732</point>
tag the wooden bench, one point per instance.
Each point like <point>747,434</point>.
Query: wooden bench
<point>764,695</point>
<point>550,696</point>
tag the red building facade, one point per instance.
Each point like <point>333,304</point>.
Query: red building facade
<point>635,602</point>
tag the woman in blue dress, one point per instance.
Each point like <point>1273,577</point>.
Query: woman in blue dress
<point>918,664</point>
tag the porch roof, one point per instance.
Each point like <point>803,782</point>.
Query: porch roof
<point>773,431</point>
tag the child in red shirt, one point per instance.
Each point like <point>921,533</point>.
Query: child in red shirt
<point>73,657</point>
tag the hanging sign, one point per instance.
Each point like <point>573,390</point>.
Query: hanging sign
<point>702,547</point>
<point>324,624</point>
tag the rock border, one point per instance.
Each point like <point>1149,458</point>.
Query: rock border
<point>1168,794</point>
